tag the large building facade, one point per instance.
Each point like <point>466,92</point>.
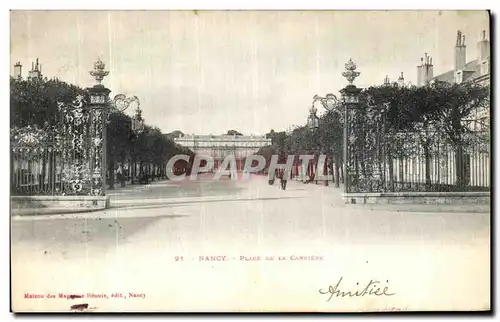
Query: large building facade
<point>220,146</point>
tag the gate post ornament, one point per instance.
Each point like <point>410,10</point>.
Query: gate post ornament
<point>98,93</point>
<point>350,71</point>
<point>99,73</point>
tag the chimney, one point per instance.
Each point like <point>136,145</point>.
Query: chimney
<point>401,80</point>
<point>483,48</point>
<point>18,70</point>
<point>35,72</point>
<point>425,72</point>
<point>429,70</point>
<point>459,37</point>
<point>420,68</point>
<point>460,50</point>
<point>386,80</point>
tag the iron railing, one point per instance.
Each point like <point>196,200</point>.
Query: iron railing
<point>420,162</point>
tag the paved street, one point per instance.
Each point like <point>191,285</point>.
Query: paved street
<point>153,238</point>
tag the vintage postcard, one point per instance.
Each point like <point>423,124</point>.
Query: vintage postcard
<point>250,161</point>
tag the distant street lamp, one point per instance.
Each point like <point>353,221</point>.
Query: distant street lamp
<point>313,126</point>
<point>121,102</point>
<point>330,103</point>
<point>313,119</point>
<point>138,121</point>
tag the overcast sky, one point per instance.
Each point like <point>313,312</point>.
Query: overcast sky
<point>210,71</point>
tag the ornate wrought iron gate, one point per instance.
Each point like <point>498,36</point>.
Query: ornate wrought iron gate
<point>67,158</point>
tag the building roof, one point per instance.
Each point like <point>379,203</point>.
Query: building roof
<point>448,77</point>
<point>472,68</point>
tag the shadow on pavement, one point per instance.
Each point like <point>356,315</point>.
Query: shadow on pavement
<point>85,232</point>
<point>154,205</point>
<point>185,188</point>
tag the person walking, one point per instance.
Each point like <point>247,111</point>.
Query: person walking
<point>283,183</point>
<point>120,175</point>
<point>281,175</point>
<point>272,178</point>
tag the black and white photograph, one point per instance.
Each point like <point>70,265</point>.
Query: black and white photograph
<point>264,161</point>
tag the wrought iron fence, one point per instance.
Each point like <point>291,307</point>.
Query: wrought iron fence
<point>59,160</point>
<point>417,161</point>
<point>62,159</point>
<point>37,166</point>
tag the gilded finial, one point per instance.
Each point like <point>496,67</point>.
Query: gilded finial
<point>99,73</point>
<point>350,71</point>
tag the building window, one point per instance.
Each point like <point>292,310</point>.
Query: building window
<point>485,68</point>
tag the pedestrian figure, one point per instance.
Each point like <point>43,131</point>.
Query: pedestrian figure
<point>281,176</point>
<point>121,176</point>
<point>271,179</point>
<point>283,183</point>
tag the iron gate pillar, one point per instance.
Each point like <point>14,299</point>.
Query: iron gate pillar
<point>98,108</point>
<point>350,99</point>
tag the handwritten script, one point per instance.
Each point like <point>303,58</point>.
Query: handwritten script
<point>372,288</point>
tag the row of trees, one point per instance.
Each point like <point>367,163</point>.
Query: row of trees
<point>35,103</point>
<point>396,123</point>
<point>434,123</point>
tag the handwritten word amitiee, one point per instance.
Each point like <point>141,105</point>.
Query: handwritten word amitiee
<point>372,288</point>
